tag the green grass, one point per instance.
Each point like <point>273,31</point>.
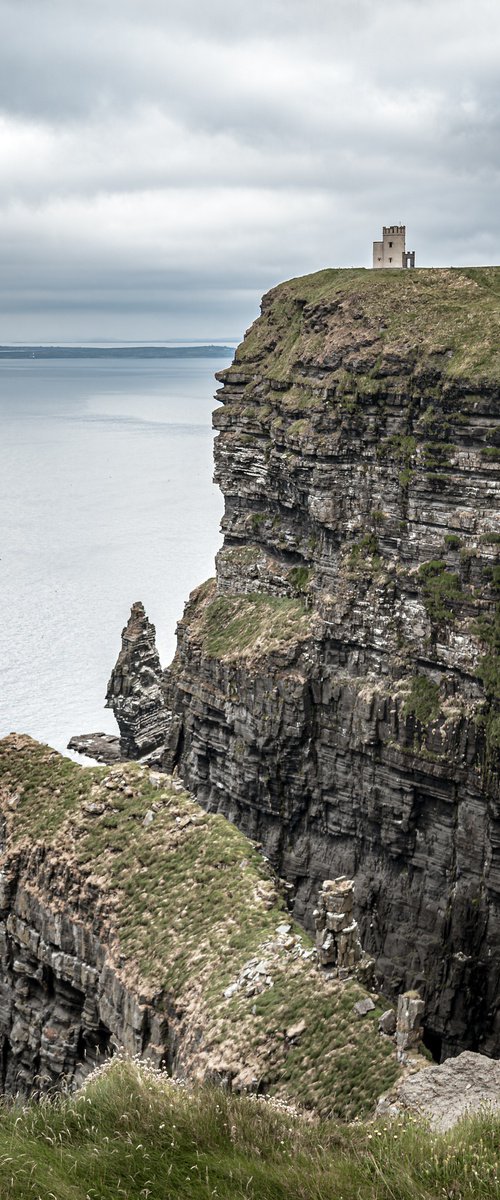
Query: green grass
<point>300,428</point>
<point>299,578</point>
<point>440,589</point>
<point>435,455</point>
<point>240,557</point>
<point>423,701</point>
<point>436,424</point>
<point>487,628</point>
<point>187,897</point>
<point>363,557</point>
<point>46,788</point>
<point>131,1134</point>
<point>490,539</point>
<point>449,318</point>
<point>257,520</point>
<point>240,625</point>
<point>400,448</point>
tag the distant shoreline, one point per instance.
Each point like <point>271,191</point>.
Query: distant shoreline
<point>209,351</point>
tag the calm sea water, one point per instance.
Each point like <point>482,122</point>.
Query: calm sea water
<point>106,497</point>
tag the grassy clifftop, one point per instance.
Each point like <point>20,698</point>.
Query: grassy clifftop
<point>449,318</point>
<point>132,1133</point>
<point>189,909</point>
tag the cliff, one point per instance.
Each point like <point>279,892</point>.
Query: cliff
<point>130,919</point>
<point>335,691</point>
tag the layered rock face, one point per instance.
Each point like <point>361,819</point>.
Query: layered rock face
<point>131,919</point>
<point>63,1007</point>
<point>68,999</point>
<point>335,691</point>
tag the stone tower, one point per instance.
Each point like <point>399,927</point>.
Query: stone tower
<point>391,251</point>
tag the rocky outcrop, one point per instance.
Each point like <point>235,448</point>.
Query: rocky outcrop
<point>101,747</point>
<point>135,689</point>
<point>337,937</point>
<point>409,1019</point>
<point>335,690</point>
<point>442,1095</point>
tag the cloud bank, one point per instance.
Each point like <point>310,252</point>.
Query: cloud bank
<point>162,167</point>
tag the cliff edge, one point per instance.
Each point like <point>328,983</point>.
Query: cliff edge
<point>335,690</point>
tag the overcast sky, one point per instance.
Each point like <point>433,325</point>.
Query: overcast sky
<point>162,164</point>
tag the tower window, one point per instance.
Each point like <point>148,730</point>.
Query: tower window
<point>390,245</point>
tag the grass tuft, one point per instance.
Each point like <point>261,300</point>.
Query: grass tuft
<point>440,588</point>
<point>423,701</point>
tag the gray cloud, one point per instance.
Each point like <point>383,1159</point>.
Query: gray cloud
<point>165,165</point>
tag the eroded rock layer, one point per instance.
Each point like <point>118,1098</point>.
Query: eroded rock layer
<point>335,690</point>
<point>131,919</point>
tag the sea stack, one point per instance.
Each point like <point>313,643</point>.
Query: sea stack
<point>135,688</point>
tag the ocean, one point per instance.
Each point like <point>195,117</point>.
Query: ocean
<point>106,497</point>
